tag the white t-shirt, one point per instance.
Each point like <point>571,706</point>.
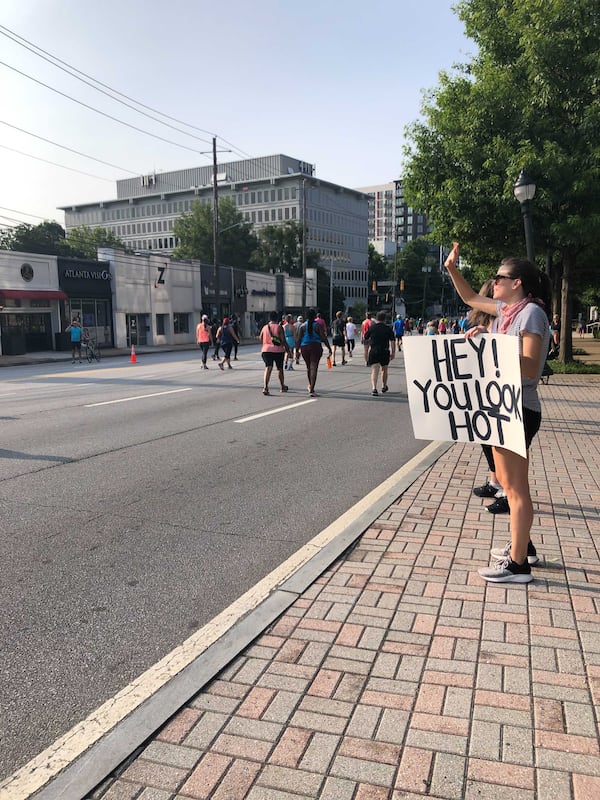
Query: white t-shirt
<point>350,330</point>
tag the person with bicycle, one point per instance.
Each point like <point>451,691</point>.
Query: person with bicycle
<point>76,333</point>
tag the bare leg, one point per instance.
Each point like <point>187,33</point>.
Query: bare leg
<point>374,375</point>
<point>384,375</point>
<point>512,472</point>
<point>268,371</point>
<point>312,375</point>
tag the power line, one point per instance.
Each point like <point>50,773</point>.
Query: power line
<point>70,149</point>
<point>24,213</point>
<point>55,163</point>
<point>96,88</point>
<point>97,110</point>
<point>15,36</point>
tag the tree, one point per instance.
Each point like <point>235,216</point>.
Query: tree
<point>279,248</point>
<point>529,98</point>
<point>377,265</point>
<point>419,270</point>
<point>83,242</point>
<point>47,238</point>
<point>236,241</point>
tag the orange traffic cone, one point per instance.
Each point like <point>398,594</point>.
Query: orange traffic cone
<point>133,359</point>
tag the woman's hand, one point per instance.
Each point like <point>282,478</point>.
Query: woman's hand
<point>475,331</point>
<point>453,257</point>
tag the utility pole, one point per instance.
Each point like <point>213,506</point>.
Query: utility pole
<point>216,230</point>
<point>331,291</point>
<point>304,246</point>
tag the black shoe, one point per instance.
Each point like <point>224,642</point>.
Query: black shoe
<point>532,556</point>
<point>487,490</point>
<point>374,392</point>
<point>499,506</point>
<point>384,389</point>
<point>507,571</point>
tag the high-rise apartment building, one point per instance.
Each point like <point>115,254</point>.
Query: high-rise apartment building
<point>268,191</point>
<point>392,222</point>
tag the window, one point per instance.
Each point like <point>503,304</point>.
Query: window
<point>260,216</point>
<point>280,194</point>
<point>161,324</point>
<point>252,198</point>
<point>181,323</point>
<point>259,197</point>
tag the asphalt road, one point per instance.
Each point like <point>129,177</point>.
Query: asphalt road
<point>136,504</point>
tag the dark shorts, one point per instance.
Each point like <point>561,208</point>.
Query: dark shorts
<point>273,358</point>
<point>379,357</point>
<point>76,346</point>
<point>312,352</point>
<point>227,349</point>
<point>531,422</point>
<point>338,341</point>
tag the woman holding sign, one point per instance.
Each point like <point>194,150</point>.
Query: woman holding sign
<point>521,292</point>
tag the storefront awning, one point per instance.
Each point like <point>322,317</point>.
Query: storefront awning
<point>31,294</point>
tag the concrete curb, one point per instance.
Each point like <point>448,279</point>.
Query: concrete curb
<point>85,772</point>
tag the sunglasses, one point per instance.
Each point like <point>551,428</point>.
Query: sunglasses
<point>498,278</point>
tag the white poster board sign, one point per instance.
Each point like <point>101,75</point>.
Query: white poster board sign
<point>466,390</point>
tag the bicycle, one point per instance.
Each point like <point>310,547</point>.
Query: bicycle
<point>92,351</point>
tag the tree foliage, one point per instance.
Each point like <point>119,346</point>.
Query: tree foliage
<point>528,99</point>
<point>49,238</point>
<point>194,231</point>
<point>378,266</point>
<point>83,242</point>
<point>280,248</point>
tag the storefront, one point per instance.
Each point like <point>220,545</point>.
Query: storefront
<point>30,302</point>
<point>87,285</point>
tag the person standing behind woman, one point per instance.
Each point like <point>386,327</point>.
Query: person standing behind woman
<point>274,345</point>
<point>311,337</point>
<point>492,487</point>
<point>338,336</point>
<point>204,338</point>
<point>521,292</point>
<point>350,334</point>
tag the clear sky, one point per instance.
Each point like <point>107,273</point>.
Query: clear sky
<point>331,82</point>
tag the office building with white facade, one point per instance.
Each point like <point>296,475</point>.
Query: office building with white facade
<point>268,191</point>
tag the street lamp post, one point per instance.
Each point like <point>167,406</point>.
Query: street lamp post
<point>524,190</point>
<point>426,269</point>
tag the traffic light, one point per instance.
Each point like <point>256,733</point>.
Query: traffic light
<point>374,286</point>
<point>402,285</point>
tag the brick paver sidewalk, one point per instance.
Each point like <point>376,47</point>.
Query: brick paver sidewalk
<point>401,674</point>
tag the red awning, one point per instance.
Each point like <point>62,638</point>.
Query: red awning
<point>32,294</point>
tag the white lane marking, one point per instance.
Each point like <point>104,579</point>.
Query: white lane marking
<point>23,783</point>
<point>275,411</point>
<point>138,397</point>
